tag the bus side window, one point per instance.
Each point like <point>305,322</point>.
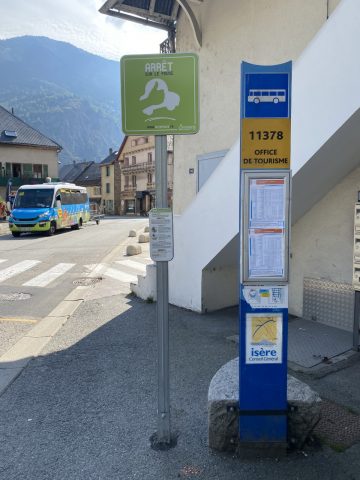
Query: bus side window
<point>58,200</point>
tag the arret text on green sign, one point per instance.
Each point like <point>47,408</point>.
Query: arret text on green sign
<point>159,94</point>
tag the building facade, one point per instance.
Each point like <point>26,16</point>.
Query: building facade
<point>110,201</point>
<point>260,32</point>
<point>137,167</point>
<point>325,146</point>
<point>26,155</point>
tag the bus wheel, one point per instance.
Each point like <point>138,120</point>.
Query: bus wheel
<point>15,234</point>
<point>52,229</point>
<point>77,225</point>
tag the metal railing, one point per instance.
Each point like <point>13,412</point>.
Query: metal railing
<point>138,167</point>
<point>24,180</point>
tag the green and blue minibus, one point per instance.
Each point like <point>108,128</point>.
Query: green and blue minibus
<point>48,207</point>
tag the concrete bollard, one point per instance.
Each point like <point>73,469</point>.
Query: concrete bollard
<point>144,238</point>
<point>146,229</point>
<point>223,399</point>
<point>133,250</point>
<point>132,233</point>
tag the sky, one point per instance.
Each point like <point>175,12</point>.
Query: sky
<point>78,22</point>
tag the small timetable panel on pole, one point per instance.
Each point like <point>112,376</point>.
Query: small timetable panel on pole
<point>161,235</point>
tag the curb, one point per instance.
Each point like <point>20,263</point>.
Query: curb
<point>13,362</point>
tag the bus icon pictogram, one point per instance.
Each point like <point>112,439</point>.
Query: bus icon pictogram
<point>266,95</point>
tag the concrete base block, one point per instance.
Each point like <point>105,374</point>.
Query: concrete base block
<point>146,230</point>
<point>223,418</point>
<point>144,238</point>
<point>133,250</point>
<point>132,233</point>
<point>146,286</point>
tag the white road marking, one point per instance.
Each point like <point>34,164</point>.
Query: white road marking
<point>50,275</point>
<point>134,265</point>
<point>118,275</point>
<point>17,268</point>
<point>2,260</point>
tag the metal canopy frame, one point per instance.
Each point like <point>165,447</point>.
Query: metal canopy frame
<point>154,13</point>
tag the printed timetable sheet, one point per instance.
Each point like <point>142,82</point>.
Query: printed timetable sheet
<point>266,229</point>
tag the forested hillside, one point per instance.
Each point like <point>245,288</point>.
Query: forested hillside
<point>68,94</point>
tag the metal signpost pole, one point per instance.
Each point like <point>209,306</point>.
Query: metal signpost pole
<point>162,305</point>
<point>159,96</point>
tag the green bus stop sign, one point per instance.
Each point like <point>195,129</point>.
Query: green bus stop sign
<point>159,94</point>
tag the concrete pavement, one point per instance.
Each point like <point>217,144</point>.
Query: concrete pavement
<point>4,228</point>
<point>86,408</point>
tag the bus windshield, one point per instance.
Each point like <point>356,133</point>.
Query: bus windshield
<point>34,198</point>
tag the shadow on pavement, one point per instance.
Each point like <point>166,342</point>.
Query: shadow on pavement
<point>86,408</point>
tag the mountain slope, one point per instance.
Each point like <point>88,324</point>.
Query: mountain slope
<point>68,94</point>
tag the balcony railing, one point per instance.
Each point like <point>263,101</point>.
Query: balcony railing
<point>18,181</point>
<point>138,167</point>
<point>152,186</point>
<point>129,189</point>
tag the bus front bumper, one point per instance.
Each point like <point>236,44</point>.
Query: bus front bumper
<point>29,227</point>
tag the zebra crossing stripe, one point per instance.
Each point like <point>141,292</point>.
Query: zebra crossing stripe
<point>118,275</point>
<point>134,265</point>
<point>17,268</point>
<point>49,276</point>
<point>2,260</point>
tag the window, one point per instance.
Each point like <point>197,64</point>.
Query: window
<point>133,160</point>
<point>126,181</point>
<point>73,197</point>
<point>150,157</point>
<point>10,133</point>
<point>108,171</point>
<point>34,198</point>
<point>133,180</point>
<point>37,171</point>
<point>127,162</point>
<point>149,177</point>
<point>45,171</point>
<point>133,143</point>
<point>108,188</point>
<point>27,170</point>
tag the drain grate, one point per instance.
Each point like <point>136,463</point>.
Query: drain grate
<point>338,426</point>
<point>87,281</point>
<point>14,297</point>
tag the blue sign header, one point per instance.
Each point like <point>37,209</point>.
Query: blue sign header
<point>266,91</point>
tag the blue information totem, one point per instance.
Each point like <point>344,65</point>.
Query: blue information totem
<point>265,187</point>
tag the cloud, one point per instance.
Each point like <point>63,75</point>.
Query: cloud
<point>78,22</point>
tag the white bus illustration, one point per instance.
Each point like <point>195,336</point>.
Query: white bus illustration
<point>274,95</point>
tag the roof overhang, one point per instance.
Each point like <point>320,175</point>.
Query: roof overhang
<point>154,13</point>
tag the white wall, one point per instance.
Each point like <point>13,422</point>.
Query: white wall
<point>202,231</point>
<point>322,240</point>
<point>326,147</point>
<point>260,32</point>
